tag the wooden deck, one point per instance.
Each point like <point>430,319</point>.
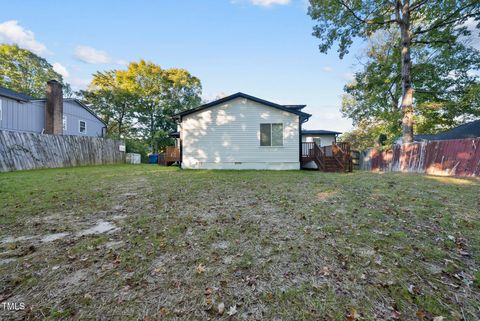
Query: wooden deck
<point>170,157</point>
<point>334,158</point>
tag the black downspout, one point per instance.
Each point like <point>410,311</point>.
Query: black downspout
<point>181,145</point>
<point>300,141</point>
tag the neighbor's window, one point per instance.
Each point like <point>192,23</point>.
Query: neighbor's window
<point>271,134</point>
<point>82,127</point>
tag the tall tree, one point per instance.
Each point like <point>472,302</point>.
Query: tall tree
<point>110,97</point>
<point>444,80</point>
<point>162,93</point>
<point>141,101</point>
<point>23,71</point>
<point>431,23</point>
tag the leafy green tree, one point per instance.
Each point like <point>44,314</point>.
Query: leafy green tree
<point>446,88</point>
<point>25,72</point>
<point>109,96</point>
<point>434,24</point>
<point>162,93</point>
<point>140,102</point>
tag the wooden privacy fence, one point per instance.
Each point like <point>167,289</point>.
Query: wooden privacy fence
<point>20,151</point>
<point>458,157</point>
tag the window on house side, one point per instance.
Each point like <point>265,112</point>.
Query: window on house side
<point>82,127</point>
<point>271,134</point>
<point>64,123</point>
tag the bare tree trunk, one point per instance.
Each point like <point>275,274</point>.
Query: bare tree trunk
<point>407,90</point>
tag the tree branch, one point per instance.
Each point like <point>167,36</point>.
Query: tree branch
<point>365,20</point>
<point>417,5</point>
<point>446,21</point>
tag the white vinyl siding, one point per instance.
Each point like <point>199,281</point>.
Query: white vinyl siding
<point>325,140</point>
<point>228,136</point>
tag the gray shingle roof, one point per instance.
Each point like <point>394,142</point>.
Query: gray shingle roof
<point>319,132</point>
<point>468,130</point>
<point>5,92</point>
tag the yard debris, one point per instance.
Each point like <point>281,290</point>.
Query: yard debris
<point>217,245</point>
<point>413,290</point>
<point>221,308</point>
<point>232,310</point>
<point>353,315</point>
<point>200,268</point>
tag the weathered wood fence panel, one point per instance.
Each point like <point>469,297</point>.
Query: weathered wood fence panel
<point>20,151</point>
<point>458,157</point>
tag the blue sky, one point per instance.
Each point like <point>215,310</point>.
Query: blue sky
<point>260,47</point>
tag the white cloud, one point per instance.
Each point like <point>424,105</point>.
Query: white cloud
<point>327,69</point>
<point>79,83</point>
<point>61,69</point>
<point>94,56</point>
<point>91,55</point>
<point>12,32</point>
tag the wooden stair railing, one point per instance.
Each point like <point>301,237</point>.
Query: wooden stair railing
<point>312,152</point>
<point>341,153</point>
<point>332,158</point>
<point>318,156</point>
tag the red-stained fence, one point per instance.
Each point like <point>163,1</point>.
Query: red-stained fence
<point>459,157</point>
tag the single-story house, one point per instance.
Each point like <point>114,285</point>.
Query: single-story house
<point>467,130</point>
<point>51,115</point>
<point>245,132</point>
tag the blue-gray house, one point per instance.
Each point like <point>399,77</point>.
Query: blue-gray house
<point>52,115</point>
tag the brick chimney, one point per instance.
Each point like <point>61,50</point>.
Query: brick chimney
<point>54,108</point>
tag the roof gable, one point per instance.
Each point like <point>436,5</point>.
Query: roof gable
<point>294,109</point>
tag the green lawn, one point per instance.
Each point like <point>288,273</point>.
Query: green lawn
<point>294,245</point>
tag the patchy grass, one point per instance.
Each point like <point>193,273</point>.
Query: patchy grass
<point>295,245</point>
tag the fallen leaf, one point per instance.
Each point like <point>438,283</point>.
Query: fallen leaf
<point>412,289</point>
<point>421,314</point>
<point>200,268</point>
<point>353,315</point>
<point>232,310</point>
<point>221,308</point>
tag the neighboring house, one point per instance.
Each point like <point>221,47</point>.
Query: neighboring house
<point>52,115</point>
<point>468,130</point>
<point>242,132</point>
<point>321,137</point>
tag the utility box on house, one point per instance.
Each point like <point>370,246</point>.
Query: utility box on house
<point>133,158</point>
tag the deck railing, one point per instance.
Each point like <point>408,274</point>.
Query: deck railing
<point>172,154</point>
<point>340,152</point>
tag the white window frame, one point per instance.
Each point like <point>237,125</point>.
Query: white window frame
<point>80,127</point>
<point>271,132</point>
<point>64,123</point>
